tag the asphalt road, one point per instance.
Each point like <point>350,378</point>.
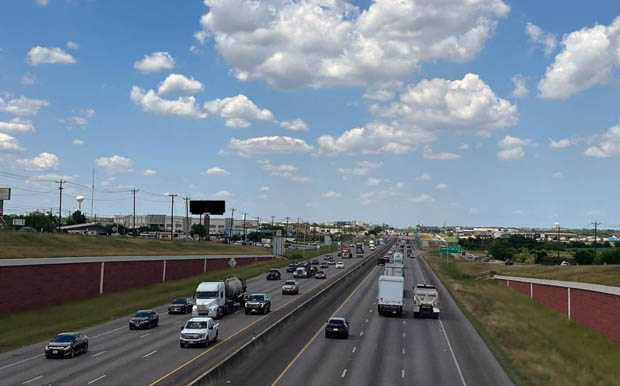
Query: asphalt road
<point>381,350</point>
<point>119,356</point>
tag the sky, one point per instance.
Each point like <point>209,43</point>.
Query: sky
<point>486,112</point>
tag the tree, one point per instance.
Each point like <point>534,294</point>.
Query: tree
<point>76,218</point>
<point>198,229</point>
<point>376,230</point>
<point>609,256</point>
<point>42,222</point>
<point>255,236</point>
<point>584,256</point>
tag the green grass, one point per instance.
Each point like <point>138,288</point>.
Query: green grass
<point>534,344</point>
<point>310,253</point>
<point>28,245</point>
<point>23,328</point>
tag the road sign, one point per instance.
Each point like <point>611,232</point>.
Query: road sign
<point>19,221</point>
<point>450,249</point>
<point>232,263</point>
<point>5,194</point>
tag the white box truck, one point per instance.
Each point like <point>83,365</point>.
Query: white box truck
<point>391,293</point>
<point>217,298</point>
<point>425,301</point>
<point>393,269</point>
<point>397,258</point>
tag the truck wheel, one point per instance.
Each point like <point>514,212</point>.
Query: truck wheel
<point>246,312</point>
<point>415,315</point>
<point>216,333</point>
<point>436,316</point>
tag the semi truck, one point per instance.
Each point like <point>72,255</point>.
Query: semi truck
<point>390,297</point>
<point>425,301</point>
<point>217,298</point>
<point>393,269</point>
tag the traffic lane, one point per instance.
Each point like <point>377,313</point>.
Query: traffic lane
<point>324,361</point>
<point>119,346</point>
<point>477,363</point>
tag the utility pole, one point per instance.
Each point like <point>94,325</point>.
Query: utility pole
<point>92,196</point>
<point>186,215</point>
<point>245,239</point>
<point>60,188</point>
<point>297,230</point>
<point>134,191</point>
<point>286,230</point>
<point>273,232</point>
<point>596,224</point>
<point>172,196</point>
<point>232,222</point>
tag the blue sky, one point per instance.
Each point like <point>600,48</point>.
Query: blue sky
<point>323,110</point>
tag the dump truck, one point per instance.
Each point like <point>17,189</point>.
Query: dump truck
<point>425,301</point>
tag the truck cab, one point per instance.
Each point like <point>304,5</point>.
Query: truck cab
<point>210,299</point>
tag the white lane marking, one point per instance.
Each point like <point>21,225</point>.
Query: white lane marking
<point>458,368</point>
<point>402,373</point>
<point>403,322</point>
<point>403,334</point>
<point>96,379</point>
<point>361,333</point>
<point>403,351</point>
<point>18,362</point>
<point>366,320</point>
<point>99,353</point>
<point>33,379</point>
<point>145,335</point>
<point>180,321</point>
<point>344,372</point>
<point>106,333</point>
<point>354,349</point>
<point>149,354</point>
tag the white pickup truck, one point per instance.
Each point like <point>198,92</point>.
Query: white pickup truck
<point>425,301</point>
<point>199,331</point>
<point>390,297</point>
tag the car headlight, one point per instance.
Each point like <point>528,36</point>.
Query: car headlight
<point>47,347</point>
<point>214,308</point>
<point>194,308</point>
<point>262,304</point>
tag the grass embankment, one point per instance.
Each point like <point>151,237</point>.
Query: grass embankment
<point>33,326</point>
<point>26,245</point>
<point>297,254</point>
<point>535,345</point>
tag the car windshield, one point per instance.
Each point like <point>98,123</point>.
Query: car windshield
<point>142,314</point>
<point>256,298</point>
<point>206,295</point>
<point>196,325</point>
<point>336,322</point>
<point>63,338</point>
<point>179,301</point>
<point>321,272</point>
<point>289,282</point>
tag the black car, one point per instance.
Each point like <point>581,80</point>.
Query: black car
<point>144,319</point>
<point>291,268</point>
<point>337,327</point>
<point>320,275</point>
<point>259,303</point>
<point>67,344</point>
<point>324,264</point>
<point>312,271</point>
<point>274,274</point>
<point>180,306</point>
<point>315,262</point>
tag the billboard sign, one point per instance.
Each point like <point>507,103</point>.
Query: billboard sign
<point>19,221</point>
<point>214,207</point>
<point>5,194</point>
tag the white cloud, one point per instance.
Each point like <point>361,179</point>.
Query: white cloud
<point>262,196</point>
<point>421,198</point>
<point>283,170</point>
<point>42,3</point>
<point>8,143</point>
<point>294,125</point>
<point>179,84</point>
<point>362,168</point>
<point>537,36</point>
<point>183,106</point>
<point>238,111</point>
<point>373,181</point>
<point>216,171</point>
<point>22,105</point>
<point>383,91</point>
<point>520,90</point>
<point>559,144</point>
<point>374,138</point>
<point>301,179</point>
<point>156,61</point>
<point>73,45</point>
<point>464,146</point>
<point>467,104</point>
<point>79,120</point>
<point>78,142</point>
<point>367,197</point>
<point>425,177</point>
<point>512,148</point>
<point>586,59</point>
<point>268,145</point>
<point>332,194</point>
<point>223,194</point>
<point>609,144</point>
<point>263,189</point>
<point>442,156</point>
<point>313,43</point>
<point>150,172</point>
<point>16,125</point>
<point>557,175</point>
<point>44,161</point>
<point>441,186</point>
<point>28,79</point>
<point>49,55</point>
<point>115,164</point>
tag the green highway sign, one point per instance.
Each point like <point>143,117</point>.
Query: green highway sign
<point>450,249</point>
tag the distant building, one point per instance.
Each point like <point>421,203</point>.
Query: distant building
<point>88,229</point>
<point>162,223</point>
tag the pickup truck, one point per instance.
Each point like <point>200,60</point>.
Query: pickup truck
<point>199,331</point>
<point>425,301</point>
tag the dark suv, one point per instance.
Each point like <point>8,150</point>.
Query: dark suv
<point>291,268</point>
<point>180,306</point>
<point>337,327</point>
<point>315,262</point>
<point>274,274</point>
<point>259,303</point>
<point>67,344</point>
<point>144,319</point>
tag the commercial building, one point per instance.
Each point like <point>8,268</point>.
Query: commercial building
<point>162,223</point>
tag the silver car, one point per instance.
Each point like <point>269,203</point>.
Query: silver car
<point>290,287</point>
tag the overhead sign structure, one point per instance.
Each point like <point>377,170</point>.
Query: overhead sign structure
<point>213,207</point>
<point>5,194</point>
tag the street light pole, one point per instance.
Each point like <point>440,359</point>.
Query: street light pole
<point>557,224</point>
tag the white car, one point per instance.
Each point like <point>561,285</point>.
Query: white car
<point>199,331</point>
<point>340,265</point>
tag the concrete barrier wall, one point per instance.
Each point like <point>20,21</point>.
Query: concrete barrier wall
<point>594,306</point>
<point>31,283</point>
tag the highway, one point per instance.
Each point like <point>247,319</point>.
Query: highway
<point>381,350</point>
<point>119,356</point>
